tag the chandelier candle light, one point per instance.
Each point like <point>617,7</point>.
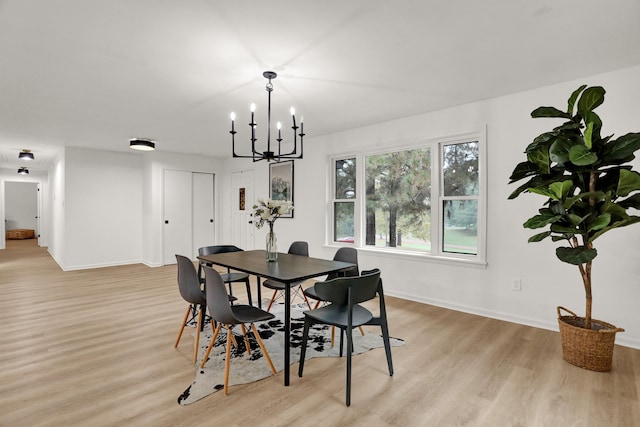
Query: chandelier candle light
<point>267,211</point>
<point>269,154</point>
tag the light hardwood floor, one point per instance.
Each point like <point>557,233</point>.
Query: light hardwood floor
<point>95,348</point>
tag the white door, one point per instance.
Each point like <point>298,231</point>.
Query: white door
<point>203,211</point>
<point>242,200</point>
<point>177,210</point>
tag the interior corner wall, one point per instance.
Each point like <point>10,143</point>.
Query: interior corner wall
<point>546,282</point>
<point>102,207</point>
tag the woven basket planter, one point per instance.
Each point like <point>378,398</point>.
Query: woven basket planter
<point>590,349</point>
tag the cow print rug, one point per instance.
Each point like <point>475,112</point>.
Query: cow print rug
<point>249,368</point>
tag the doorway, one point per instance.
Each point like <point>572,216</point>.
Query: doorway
<point>22,208</point>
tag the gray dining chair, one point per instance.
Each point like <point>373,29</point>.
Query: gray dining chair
<point>344,254</point>
<point>229,277</point>
<point>189,287</point>
<point>279,288</point>
<point>345,294</point>
<point>225,315</point>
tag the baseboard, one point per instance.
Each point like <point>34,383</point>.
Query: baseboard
<point>507,317</point>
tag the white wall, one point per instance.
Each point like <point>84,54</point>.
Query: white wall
<point>102,207</point>
<point>546,282</point>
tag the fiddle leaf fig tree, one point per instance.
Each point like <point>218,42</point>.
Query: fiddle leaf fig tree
<point>587,180</point>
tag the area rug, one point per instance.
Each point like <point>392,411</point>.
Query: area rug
<point>246,369</point>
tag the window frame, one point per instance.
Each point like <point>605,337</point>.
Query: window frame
<point>436,145</point>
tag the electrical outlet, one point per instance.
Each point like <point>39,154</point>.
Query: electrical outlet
<point>516,284</point>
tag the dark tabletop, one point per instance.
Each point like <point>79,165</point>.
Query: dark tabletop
<point>289,268</point>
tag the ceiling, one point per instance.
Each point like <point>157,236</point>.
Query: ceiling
<point>97,73</point>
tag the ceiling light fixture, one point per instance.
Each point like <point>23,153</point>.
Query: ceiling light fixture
<point>142,144</point>
<point>269,154</point>
<point>23,171</point>
<point>26,155</point>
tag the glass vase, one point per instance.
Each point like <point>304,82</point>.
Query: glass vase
<point>272,247</point>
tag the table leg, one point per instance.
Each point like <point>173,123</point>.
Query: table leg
<point>259,293</point>
<point>287,332</point>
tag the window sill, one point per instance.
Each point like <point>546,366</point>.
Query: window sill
<point>417,256</point>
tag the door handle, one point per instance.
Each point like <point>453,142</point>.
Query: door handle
<point>166,222</point>
<point>210,220</point>
<point>250,222</point>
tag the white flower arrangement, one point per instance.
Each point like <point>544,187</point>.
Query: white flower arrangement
<point>267,211</point>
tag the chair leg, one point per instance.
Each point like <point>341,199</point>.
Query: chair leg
<point>213,340</point>
<point>349,352</point>
<point>227,362</point>
<point>246,338</point>
<point>303,348</point>
<point>273,298</point>
<point>387,345</point>
<point>305,298</point>
<point>333,336</point>
<point>263,348</point>
<point>197,342</point>
<point>184,323</point>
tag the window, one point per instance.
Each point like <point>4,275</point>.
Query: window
<point>427,199</point>
<point>344,200</point>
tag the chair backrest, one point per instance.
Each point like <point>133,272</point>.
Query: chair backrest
<point>217,298</point>
<point>217,249</point>
<point>346,254</point>
<point>188,282</point>
<point>360,288</point>
<point>299,248</point>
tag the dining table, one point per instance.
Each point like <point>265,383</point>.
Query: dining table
<point>287,269</point>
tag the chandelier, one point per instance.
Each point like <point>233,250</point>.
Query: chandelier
<point>270,154</point>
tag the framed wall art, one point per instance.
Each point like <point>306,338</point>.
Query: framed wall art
<point>281,183</point>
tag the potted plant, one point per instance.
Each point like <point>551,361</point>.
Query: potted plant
<point>589,186</point>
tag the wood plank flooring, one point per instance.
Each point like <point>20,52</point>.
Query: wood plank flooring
<point>95,348</point>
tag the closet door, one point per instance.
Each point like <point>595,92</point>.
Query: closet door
<point>203,211</point>
<point>178,216</point>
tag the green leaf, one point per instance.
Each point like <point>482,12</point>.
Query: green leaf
<point>540,157</point>
<point>559,150</point>
<point>576,256</point>
<point>573,98</point>
<point>575,220</point>
<point>544,191</point>
<point>522,170</point>
<point>597,195</point>
<point>600,222</point>
<point>581,156</point>
<point>629,181</point>
<point>591,98</point>
<point>541,220</point>
<point>630,220</point>
<point>561,189</point>
<point>621,148</point>
<point>588,132</point>
<point>560,228</point>
<point>631,202</point>
<point>549,112</point>
<point>540,236</point>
